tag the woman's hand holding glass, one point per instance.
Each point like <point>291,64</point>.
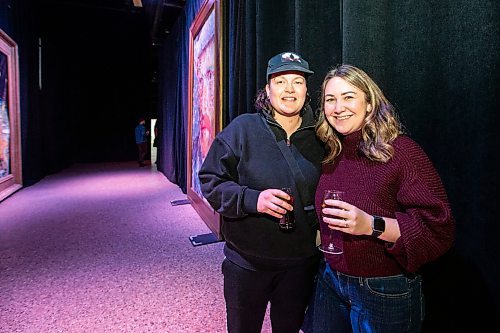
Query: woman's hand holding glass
<point>332,222</point>
<point>274,202</point>
<point>341,216</point>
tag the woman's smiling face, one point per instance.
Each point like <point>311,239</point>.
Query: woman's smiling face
<point>345,106</point>
<point>287,92</point>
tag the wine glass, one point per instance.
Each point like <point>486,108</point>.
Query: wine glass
<point>331,246</point>
<point>287,222</point>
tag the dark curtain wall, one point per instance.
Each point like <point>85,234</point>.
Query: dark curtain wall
<point>255,31</point>
<point>438,61</point>
<point>6,16</point>
<point>173,86</point>
<point>97,81</point>
<point>310,28</point>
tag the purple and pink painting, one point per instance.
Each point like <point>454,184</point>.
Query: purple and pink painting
<point>4,119</point>
<point>203,113</point>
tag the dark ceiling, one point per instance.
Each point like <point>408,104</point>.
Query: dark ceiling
<point>161,14</point>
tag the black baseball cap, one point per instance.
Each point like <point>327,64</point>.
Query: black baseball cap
<point>287,61</point>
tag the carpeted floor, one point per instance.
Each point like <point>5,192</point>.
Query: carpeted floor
<point>98,248</point>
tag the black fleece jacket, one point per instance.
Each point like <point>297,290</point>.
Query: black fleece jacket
<point>244,160</point>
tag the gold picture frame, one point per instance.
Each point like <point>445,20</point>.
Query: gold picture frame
<point>204,102</point>
<point>10,127</point>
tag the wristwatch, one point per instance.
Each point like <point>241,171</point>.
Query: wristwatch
<point>378,226</point>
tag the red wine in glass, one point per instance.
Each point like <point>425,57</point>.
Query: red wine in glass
<point>287,222</point>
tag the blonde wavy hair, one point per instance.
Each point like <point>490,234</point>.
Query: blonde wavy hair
<point>381,125</point>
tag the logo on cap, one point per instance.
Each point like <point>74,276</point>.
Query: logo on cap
<point>289,56</point>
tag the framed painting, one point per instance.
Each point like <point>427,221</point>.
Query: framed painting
<point>204,102</point>
<point>10,136</point>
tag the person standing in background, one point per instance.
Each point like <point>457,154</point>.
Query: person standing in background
<point>141,135</point>
<point>393,218</point>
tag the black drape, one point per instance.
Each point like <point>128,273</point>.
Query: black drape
<point>259,29</point>
<point>96,82</point>
<point>173,86</point>
<point>438,61</point>
<point>95,74</point>
<point>241,49</point>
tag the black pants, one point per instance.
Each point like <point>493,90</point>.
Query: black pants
<point>142,149</point>
<point>247,293</point>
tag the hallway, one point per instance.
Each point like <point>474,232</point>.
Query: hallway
<point>98,248</point>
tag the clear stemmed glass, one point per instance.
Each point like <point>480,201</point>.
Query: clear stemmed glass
<point>331,246</point>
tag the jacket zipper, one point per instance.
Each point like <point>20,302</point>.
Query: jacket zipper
<point>288,141</point>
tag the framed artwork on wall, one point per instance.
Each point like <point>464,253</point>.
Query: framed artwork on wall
<point>10,129</point>
<point>204,102</point>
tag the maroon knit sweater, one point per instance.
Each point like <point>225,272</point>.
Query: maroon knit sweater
<point>407,188</point>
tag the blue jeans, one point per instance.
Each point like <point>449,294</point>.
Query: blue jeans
<point>387,304</point>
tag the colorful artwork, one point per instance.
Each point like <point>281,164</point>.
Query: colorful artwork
<point>4,120</point>
<point>204,103</point>
<point>203,111</point>
<point>10,129</point>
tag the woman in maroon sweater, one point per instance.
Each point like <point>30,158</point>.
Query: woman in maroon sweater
<point>393,218</point>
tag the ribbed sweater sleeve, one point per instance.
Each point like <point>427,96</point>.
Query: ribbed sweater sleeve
<point>407,188</point>
<point>425,218</point>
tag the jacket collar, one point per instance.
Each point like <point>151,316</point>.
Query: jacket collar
<point>308,118</point>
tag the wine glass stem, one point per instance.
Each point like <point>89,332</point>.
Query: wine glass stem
<point>330,238</point>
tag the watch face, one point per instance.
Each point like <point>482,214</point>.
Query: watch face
<point>378,224</point>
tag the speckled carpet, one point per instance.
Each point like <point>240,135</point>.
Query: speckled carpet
<point>98,248</point>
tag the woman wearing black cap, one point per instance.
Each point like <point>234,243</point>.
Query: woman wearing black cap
<point>242,177</point>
